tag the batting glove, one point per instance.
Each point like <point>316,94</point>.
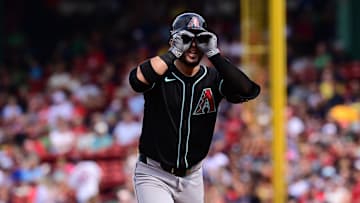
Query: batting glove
<point>181,42</point>
<point>207,43</point>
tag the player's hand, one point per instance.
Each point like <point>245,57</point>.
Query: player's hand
<point>181,42</point>
<point>207,43</point>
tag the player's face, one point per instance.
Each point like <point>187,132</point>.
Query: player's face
<point>192,56</point>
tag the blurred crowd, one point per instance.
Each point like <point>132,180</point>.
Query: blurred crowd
<point>69,121</point>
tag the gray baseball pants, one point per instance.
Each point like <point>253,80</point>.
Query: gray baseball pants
<point>154,185</point>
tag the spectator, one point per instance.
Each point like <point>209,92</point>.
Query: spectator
<point>61,108</point>
<point>127,130</point>
<point>11,110</point>
<point>61,137</point>
<point>85,180</point>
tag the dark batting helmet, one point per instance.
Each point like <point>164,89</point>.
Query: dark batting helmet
<point>188,21</point>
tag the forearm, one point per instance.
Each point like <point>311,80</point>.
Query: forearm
<point>234,77</point>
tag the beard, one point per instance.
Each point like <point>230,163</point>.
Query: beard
<point>190,63</point>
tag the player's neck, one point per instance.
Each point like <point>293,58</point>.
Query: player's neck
<point>185,69</point>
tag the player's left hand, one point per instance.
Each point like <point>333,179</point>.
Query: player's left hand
<point>207,43</point>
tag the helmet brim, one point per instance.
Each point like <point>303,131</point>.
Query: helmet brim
<point>193,30</point>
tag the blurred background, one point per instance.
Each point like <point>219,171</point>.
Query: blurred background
<point>69,122</point>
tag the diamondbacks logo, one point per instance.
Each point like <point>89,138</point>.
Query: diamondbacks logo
<point>206,103</point>
<point>194,23</point>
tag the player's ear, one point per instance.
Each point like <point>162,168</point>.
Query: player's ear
<point>171,41</point>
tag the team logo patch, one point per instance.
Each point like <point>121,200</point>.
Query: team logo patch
<point>194,23</point>
<point>206,103</point>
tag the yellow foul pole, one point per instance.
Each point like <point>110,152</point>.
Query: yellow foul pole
<point>245,31</point>
<point>278,96</point>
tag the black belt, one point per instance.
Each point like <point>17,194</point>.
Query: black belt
<point>175,171</point>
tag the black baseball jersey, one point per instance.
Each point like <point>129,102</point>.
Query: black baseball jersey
<point>180,114</point>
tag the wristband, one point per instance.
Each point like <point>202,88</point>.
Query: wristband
<point>168,58</point>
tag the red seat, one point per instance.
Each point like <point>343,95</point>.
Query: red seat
<point>355,70</point>
<point>351,71</point>
<point>113,174</point>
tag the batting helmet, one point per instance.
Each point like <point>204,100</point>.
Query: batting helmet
<point>188,21</point>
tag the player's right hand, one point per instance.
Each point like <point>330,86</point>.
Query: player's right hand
<point>180,42</point>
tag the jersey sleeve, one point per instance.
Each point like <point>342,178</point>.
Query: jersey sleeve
<point>233,96</point>
<point>234,85</point>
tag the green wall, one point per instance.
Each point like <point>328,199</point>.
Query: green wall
<point>355,16</point>
<point>348,25</point>
<point>2,35</point>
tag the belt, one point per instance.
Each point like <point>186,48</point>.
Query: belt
<point>175,171</point>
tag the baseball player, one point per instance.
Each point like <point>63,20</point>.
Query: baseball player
<point>181,102</point>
